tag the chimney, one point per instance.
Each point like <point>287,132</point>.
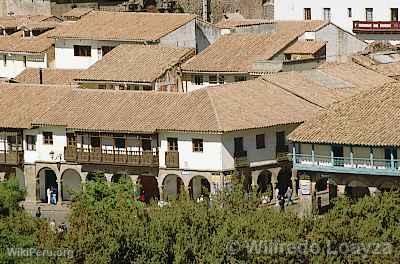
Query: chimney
<point>40,75</point>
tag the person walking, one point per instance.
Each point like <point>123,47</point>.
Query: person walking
<point>288,195</point>
<point>48,193</point>
<point>281,202</point>
<point>38,212</point>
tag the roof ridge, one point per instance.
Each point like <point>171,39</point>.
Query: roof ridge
<point>214,109</point>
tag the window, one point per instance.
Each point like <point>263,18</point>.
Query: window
<point>307,13</point>
<point>369,14</point>
<point>146,144</point>
<point>30,142</point>
<point>106,49</point>
<point>394,14</point>
<point>240,78</point>
<point>221,79</point>
<point>119,143</point>
<point>281,141</point>
<point>197,144</point>
<point>82,51</point>
<point>212,79</point>
<point>198,80</point>
<point>349,12</point>
<point>327,14</point>
<point>95,142</point>
<point>172,144</point>
<point>238,146</point>
<point>71,140</point>
<point>260,141</point>
<point>48,138</point>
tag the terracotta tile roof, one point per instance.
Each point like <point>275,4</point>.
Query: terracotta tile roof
<point>370,119</point>
<point>305,47</point>
<point>389,69</point>
<point>245,105</point>
<point>238,52</point>
<point>135,63</point>
<point>329,84</point>
<point>300,26</point>
<point>42,25</point>
<point>124,26</point>
<point>232,23</point>
<point>15,43</point>
<point>20,104</point>
<point>50,76</point>
<point>15,21</point>
<point>77,12</point>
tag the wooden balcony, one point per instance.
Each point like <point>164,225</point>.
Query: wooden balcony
<point>112,157</point>
<point>282,153</point>
<point>376,27</point>
<point>11,157</point>
<point>241,159</point>
<point>172,159</point>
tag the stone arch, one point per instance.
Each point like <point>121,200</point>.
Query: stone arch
<point>199,186</point>
<point>264,183</point>
<point>45,178</point>
<point>284,180</point>
<point>148,187</point>
<point>70,183</point>
<point>172,186</point>
<point>118,177</point>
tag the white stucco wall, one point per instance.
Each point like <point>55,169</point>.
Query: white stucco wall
<point>64,53</point>
<point>184,37</point>
<point>15,64</point>
<point>208,160</point>
<point>256,157</point>
<point>42,152</point>
<point>189,86</point>
<point>294,10</point>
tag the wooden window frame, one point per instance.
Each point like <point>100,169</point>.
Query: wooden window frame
<point>307,13</point>
<point>198,79</point>
<point>30,142</point>
<point>82,51</point>
<point>260,141</point>
<point>71,140</point>
<point>197,145</point>
<point>172,144</point>
<point>48,138</point>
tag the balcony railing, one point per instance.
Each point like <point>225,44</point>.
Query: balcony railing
<point>376,27</point>
<point>347,165</point>
<point>12,157</point>
<point>172,159</point>
<point>114,157</point>
<point>241,159</point>
<point>282,153</point>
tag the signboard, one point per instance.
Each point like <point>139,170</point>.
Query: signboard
<point>305,187</point>
<point>322,198</point>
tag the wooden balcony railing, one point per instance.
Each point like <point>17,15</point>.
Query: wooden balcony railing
<point>282,153</point>
<point>12,157</point>
<point>241,159</point>
<point>376,27</point>
<point>172,159</point>
<point>114,157</point>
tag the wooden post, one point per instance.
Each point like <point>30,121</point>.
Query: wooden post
<point>391,159</point>
<point>294,153</point>
<point>332,158</point>
<point>313,154</point>
<point>351,156</point>
<point>371,156</point>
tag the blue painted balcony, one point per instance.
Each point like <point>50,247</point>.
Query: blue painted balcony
<point>369,166</point>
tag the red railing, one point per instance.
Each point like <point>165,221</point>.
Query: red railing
<point>376,26</point>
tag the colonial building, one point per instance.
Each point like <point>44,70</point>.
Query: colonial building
<point>351,148</point>
<point>369,19</point>
<point>236,57</point>
<point>167,142</point>
<point>86,41</point>
<point>137,67</point>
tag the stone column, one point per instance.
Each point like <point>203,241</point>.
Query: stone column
<point>341,190</point>
<point>108,177</point>
<point>83,180</point>
<point>59,194</point>
<point>274,182</point>
<point>31,183</point>
<point>294,181</point>
<point>2,176</point>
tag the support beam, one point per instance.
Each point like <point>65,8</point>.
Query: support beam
<point>391,158</point>
<point>351,156</point>
<point>371,156</point>
<point>313,153</point>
